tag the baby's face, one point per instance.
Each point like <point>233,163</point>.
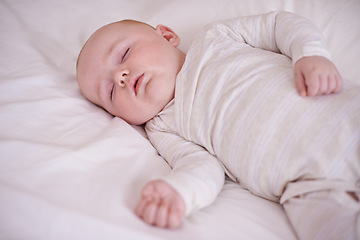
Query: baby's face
<point>129,69</point>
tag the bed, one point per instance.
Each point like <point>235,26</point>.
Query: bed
<point>69,170</point>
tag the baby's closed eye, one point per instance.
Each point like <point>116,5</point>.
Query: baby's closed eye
<point>124,55</point>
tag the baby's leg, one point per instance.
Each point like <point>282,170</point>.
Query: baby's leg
<point>325,215</point>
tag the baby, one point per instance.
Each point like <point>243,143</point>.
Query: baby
<point>245,101</point>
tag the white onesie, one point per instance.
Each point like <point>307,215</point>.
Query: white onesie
<point>236,110</point>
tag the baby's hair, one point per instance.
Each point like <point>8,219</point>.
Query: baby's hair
<point>117,22</point>
<point>135,22</point>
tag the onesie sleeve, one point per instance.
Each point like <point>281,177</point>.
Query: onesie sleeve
<point>280,32</point>
<point>196,175</point>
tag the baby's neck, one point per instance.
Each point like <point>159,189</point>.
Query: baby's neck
<point>181,59</point>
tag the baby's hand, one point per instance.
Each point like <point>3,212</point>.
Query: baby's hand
<point>316,76</point>
<point>161,205</point>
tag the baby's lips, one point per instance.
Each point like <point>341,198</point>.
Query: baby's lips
<point>138,82</point>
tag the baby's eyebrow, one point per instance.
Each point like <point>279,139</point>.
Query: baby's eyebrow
<point>112,47</point>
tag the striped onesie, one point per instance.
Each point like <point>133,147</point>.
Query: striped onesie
<point>236,110</point>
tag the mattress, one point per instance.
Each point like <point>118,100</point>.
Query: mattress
<point>69,170</point>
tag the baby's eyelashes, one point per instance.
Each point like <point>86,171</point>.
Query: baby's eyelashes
<point>124,55</point>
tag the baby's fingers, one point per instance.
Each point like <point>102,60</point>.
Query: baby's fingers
<point>140,207</point>
<point>174,219</point>
<point>319,75</point>
<point>331,85</point>
<point>150,213</point>
<point>162,216</point>
<point>313,84</point>
<point>300,84</point>
<point>323,84</point>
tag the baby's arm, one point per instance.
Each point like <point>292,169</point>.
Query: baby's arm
<point>295,37</point>
<point>161,205</point>
<point>315,76</point>
<point>194,182</point>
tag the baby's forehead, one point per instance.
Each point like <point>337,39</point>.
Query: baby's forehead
<point>122,25</point>
<point>101,37</point>
<point>125,28</point>
<point>117,31</point>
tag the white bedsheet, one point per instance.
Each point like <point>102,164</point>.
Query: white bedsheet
<point>69,170</point>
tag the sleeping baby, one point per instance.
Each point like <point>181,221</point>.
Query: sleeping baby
<point>255,98</point>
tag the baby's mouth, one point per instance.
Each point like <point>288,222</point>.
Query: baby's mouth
<point>138,83</point>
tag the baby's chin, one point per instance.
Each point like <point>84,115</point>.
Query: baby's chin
<point>137,120</point>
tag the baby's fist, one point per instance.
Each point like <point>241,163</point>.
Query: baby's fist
<point>161,205</point>
<point>315,76</point>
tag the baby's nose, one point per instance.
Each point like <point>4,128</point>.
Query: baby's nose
<point>121,77</point>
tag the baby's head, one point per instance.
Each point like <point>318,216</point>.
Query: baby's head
<point>129,69</point>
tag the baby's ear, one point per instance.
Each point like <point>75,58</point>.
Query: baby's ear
<point>168,34</point>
